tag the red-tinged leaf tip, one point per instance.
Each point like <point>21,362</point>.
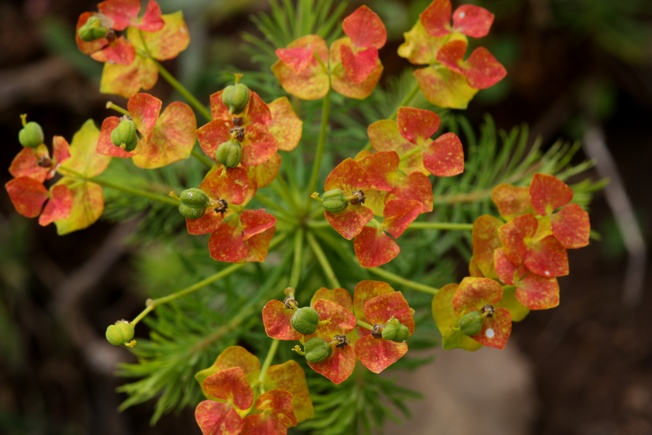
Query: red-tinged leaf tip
<point>485,240</point>
<point>505,269</point>
<point>205,224</point>
<point>338,295</point>
<point>334,319</point>
<point>365,28</point>
<point>226,243</point>
<point>374,248</point>
<point>382,308</point>
<point>511,201</point>
<point>448,322</point>
<point>126,80</point>
<point>286,126</point>
<point>537,292</point>
<point>337,367</point>
<point>341,78</point>
<point>216,418</point>
<point>436,18</point>
<point>277,405</point>
<point>233,356</point>
<point>365,291</point>
<point>495,329</point>
<point>547,257</point>
<point>119,52</point>
<point>144,109</point>
<point>571,226</point>
<point>172,138</point>
<point>27,195</point>
<point>231,184</point>
<point>290,377</point>
<point>152,20</point>
<point>416,124</point>
<point>297,58</point>
<point>381,168</point>
<point>259,245</point>
<point>548,193</point>
<point>60,149</point>
<point>444,88</point>
<point>483,70</point>
<point>451,55</point>
<point>360,65</point>
<point>258,146</point>
<point>415,187</point>
<point>445,156</point>
<point>513,234</point>
<point>309,82</point>
<point>473,293</point>
<point>58,207</point>
<point>104,144</point>
<point>165,43</point>
<point>257,112</point>
<point>399,214</point>
<point>262,175</point>
<point>255,222</point>
<point>87,206</point>
<point>472,20</point>
<point>230,385</point>
<point>348,176</point>
<point>211,135</point>
<point>262,424</point>
<point>384,135</point>
<point>26,163</point>
<point>420,48</point>
<point>122,12</point>
<point>378,354</point>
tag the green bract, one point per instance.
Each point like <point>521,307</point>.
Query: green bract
<point>31,135</point>
<point>124,135</point>
<point>236,97</point>
<point>395,331</point>
<point>121,332</point>
<point>92,30</point>
<point>229,153</point>
<point>304,320</point>
<point>334,201</point>
<point>317,350</point>
<point>471,323</point>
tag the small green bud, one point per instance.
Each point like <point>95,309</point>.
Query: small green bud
<point>229,153</point>
<point>304,320</point>
<point>121,332</point>
<point>395,331</point>
<point>92,30</point>
<point>194,196</point>
<point>334,201</point>
<point>317,350</point>
<point>124,135</point>
<point>236,97</point>
<point>31,135</point>
<point>471,323</point>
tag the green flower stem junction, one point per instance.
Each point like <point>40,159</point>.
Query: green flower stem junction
<point>403,281</point>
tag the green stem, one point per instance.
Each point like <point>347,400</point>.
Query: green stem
<point>440,226</point>
<point>190,98</point>
<point>295,275</point>
<point>122,188</point>
<point>321,145</point>
<point>202,158</point>
<point>403,281</point>
<point>364,324</point>
<point>407,100</point>
<point>323,261</point>
<point>268,360</point>
<point>111,105</point>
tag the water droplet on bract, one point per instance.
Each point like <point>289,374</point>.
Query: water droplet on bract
<point>547,273</point>
<point>489,333</point>
<point>462,14</point>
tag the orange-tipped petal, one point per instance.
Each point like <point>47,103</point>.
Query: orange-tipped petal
<point>365,28</point>
<point>571,226</point>
<point>358,78</point>
<point>26,163</point>
<point>547,257</point>
<point>216,418</point>
<point>436,18</point>
<point>338,295</point>
<point>27,195</point>
<point>445,156</point>
<point>548,193</point>
<point>505,269</point>
<point>473,293</point>
<point>399,214</point>
<point>360,65</point>
<point>337,367</point>
<point>58,207</point>
<point>416,187</point>
<point>513,234</point>
<point>374,248</point>
<point>472,20</point>
<point>290,377</point>
<point>365,291</point>
<point>510,200</point>
<point>495,329</point>
<point>483,70</point>
<point>231,385</point>
<point>87,206</point>
<point>485,240</point>
<point>165,43</point>
<point>205,224</point>
<point>382,308</point>
<point>378,354</point>
<point>537,292</point>
<point>414,124</point>
<point>286,126</point>
<point>276,318</point>
<point>304,75</point>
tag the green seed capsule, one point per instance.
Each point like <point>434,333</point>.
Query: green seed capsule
<point>92,30</point>
<point>236,98</point>
<point>395,331</point>
<point>31,135</point>
<point>334,201</point>
<point>124,135</point>
<point>304,320</point>
<point>194,196</point>
<point>229,153</point>
<point>191,211</point>
<point>471,323</point>
<point>317,350</point>
<point>121,332</point>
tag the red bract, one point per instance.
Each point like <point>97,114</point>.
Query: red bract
<point>228,386</point>
<point>482,294</point>
<point>481,69</point>
<point>375,302</point>
<point>164,137</point>
<point>307,70</point>
<point>470,20</point>
<point>410,137</point>
<point>73,203</point>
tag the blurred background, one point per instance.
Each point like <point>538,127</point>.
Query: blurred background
<point>578,70</point>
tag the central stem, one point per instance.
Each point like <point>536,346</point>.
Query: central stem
<point>321,144</point>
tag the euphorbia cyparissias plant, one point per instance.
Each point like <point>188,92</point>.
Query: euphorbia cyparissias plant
<point>259,201</point>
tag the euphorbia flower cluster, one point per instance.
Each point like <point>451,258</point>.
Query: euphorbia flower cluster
<point>130,59</point>
<point>308,69</point>
<point>327,328</point>
<point>449,80</point>
<point>241,400</point>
